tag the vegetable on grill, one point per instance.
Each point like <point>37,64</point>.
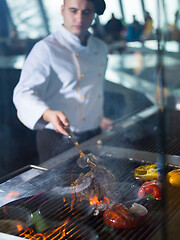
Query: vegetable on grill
<point>151,187</point>
<point>173,177</point>
<point>146,172</point>
<point>120,217</point>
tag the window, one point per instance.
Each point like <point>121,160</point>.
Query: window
<point>152,8</point>
<point>111,8</point>
<point>132,8</point>
<point>27,17</point>
<point>171,8</point>
<point>53,11</point>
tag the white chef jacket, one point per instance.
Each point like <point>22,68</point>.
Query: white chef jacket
<point>61,74</point>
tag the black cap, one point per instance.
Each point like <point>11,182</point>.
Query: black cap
<point>99,5</point>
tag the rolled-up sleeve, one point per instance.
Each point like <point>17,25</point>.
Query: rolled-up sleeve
<point>29,93</point>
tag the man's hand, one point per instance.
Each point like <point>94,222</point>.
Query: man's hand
<point>58,120</point>
<point>106,124</point>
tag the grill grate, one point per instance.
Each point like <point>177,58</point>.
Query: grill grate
<point>122,168</point>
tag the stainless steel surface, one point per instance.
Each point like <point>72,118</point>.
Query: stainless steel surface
<point>20,171</point>
<point>5,236</point>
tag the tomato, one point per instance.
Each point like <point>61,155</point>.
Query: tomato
<point>152,187</point>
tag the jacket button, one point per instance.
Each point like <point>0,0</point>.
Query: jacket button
<point>83,97</point>
<point>96,53</point>
<point>99,74</point>
<point>76,54</point>
<point>99,96</point>
<point>82,75</point>
<point>84,119</point>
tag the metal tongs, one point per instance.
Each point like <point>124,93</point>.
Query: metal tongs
<point>83,159</point>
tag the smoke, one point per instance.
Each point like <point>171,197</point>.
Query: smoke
<point>74,189</point>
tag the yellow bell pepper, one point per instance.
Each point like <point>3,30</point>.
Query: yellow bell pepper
<point>173,177</point>
<point>146,172</point>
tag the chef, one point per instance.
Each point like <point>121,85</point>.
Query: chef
<point>61,83</point>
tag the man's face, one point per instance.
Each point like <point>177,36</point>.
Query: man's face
<point>78,16</point>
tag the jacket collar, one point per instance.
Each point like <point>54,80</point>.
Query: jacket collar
<point>69,40</point>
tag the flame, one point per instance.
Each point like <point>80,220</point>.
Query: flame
<point>95,201</point>
<point>19,227</point>
<point>12,194</point>
<point>29,233</point>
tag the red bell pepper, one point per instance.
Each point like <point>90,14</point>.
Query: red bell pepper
<point>151,187</point>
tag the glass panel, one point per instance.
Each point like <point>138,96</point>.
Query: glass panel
<point>172,26</point>
<point>53,10</point>
<point>111,8</point>
<point>28,18</point>
<point>171,8</point>
<point>132,8</point>
<point>152,8</point>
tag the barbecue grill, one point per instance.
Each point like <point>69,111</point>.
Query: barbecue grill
<point>33,188</point>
